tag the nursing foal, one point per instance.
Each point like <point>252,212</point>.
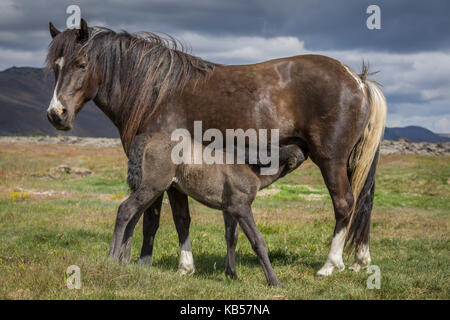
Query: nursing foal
<point>231,188</point>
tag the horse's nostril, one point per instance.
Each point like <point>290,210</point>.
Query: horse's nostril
<point>53,116</point>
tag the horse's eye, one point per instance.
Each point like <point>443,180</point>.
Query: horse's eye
<point>82,66</point>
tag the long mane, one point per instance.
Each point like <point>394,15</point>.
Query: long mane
<point>142,69</point>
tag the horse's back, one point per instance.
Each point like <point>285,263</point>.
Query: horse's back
<point>312,98</point>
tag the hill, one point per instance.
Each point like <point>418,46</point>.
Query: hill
<point>414,134</point>
<point>24,97</point>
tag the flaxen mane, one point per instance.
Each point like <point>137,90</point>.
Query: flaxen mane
<point>131,64</point>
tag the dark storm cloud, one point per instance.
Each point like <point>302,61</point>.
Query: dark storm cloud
<point>412,49</point>
<point>322,24</point>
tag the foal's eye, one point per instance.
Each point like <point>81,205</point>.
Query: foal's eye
<point>82,66</point>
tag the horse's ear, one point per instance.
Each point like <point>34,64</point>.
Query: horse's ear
<point>53,31</point>
<point>84,30</point>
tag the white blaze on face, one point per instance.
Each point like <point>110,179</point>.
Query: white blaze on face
<point>55,104</point>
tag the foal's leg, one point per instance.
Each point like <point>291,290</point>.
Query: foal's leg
<point>243,214</point>
<point>180,210</point>
<point>150,226</point>
<point>336,179</point>
<point>231,236</point>
<point>127,216</point>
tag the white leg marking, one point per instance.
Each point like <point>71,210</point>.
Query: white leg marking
<point>362,258</point>
<point>147,260</point>
<point>334,259</point>
<point>186,265</point>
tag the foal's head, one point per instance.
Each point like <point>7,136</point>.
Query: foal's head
<point>75,83</point>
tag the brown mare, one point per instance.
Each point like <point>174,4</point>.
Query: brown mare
<point>145,84</point>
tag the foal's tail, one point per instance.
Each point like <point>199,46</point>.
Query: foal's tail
<point>363,162</point>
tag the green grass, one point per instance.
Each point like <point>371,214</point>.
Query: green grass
<point>40,236</point>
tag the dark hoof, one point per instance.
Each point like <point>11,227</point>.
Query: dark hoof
<point>231,275</point>
<point>276,284</point>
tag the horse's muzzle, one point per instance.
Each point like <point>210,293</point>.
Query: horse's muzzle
<point>58,118</point>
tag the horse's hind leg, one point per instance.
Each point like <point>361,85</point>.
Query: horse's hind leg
<point>180,210</point>
<point>336,179</point>
<point>243,214</point>
<point>362,253</point>
<point>150,226</point>
<point>231,236</point>
<point>362,256</point>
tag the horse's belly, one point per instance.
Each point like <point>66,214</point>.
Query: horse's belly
<point>204,186</point>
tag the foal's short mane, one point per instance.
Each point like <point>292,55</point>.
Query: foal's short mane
<point>141,69</point>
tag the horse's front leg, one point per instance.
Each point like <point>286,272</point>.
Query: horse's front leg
<point>127,217</point>
<point>150,226</point>
<point>180,210</point>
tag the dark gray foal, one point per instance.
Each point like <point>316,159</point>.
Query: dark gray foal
<point>231,188</point>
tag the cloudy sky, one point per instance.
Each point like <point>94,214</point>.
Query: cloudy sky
<point>411,50</point>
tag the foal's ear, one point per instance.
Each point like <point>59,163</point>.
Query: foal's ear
<point>53,31</point>
<point>84,30</point>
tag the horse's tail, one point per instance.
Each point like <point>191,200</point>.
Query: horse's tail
<point>363,161</point>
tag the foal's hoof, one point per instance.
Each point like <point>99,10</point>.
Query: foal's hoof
<point>186,269</point>
<point>145,261</point>
<point>232,276</point>
<point>276,284</point>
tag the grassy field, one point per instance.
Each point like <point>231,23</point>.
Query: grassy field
<point>49,221</point>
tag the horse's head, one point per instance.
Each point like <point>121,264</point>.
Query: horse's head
<point>75,81</point>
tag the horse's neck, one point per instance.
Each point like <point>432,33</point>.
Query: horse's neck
<point>107,102</point>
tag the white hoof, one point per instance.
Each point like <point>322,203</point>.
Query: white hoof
<point>328,269</point>
<point>362,259</point>
<point>360,264</point>
<point>186,270</point>
<point>325,271</point>
<point>186,265</point>
<point>355,267</point>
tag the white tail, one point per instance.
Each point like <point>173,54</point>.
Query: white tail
<point>365,150</point>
